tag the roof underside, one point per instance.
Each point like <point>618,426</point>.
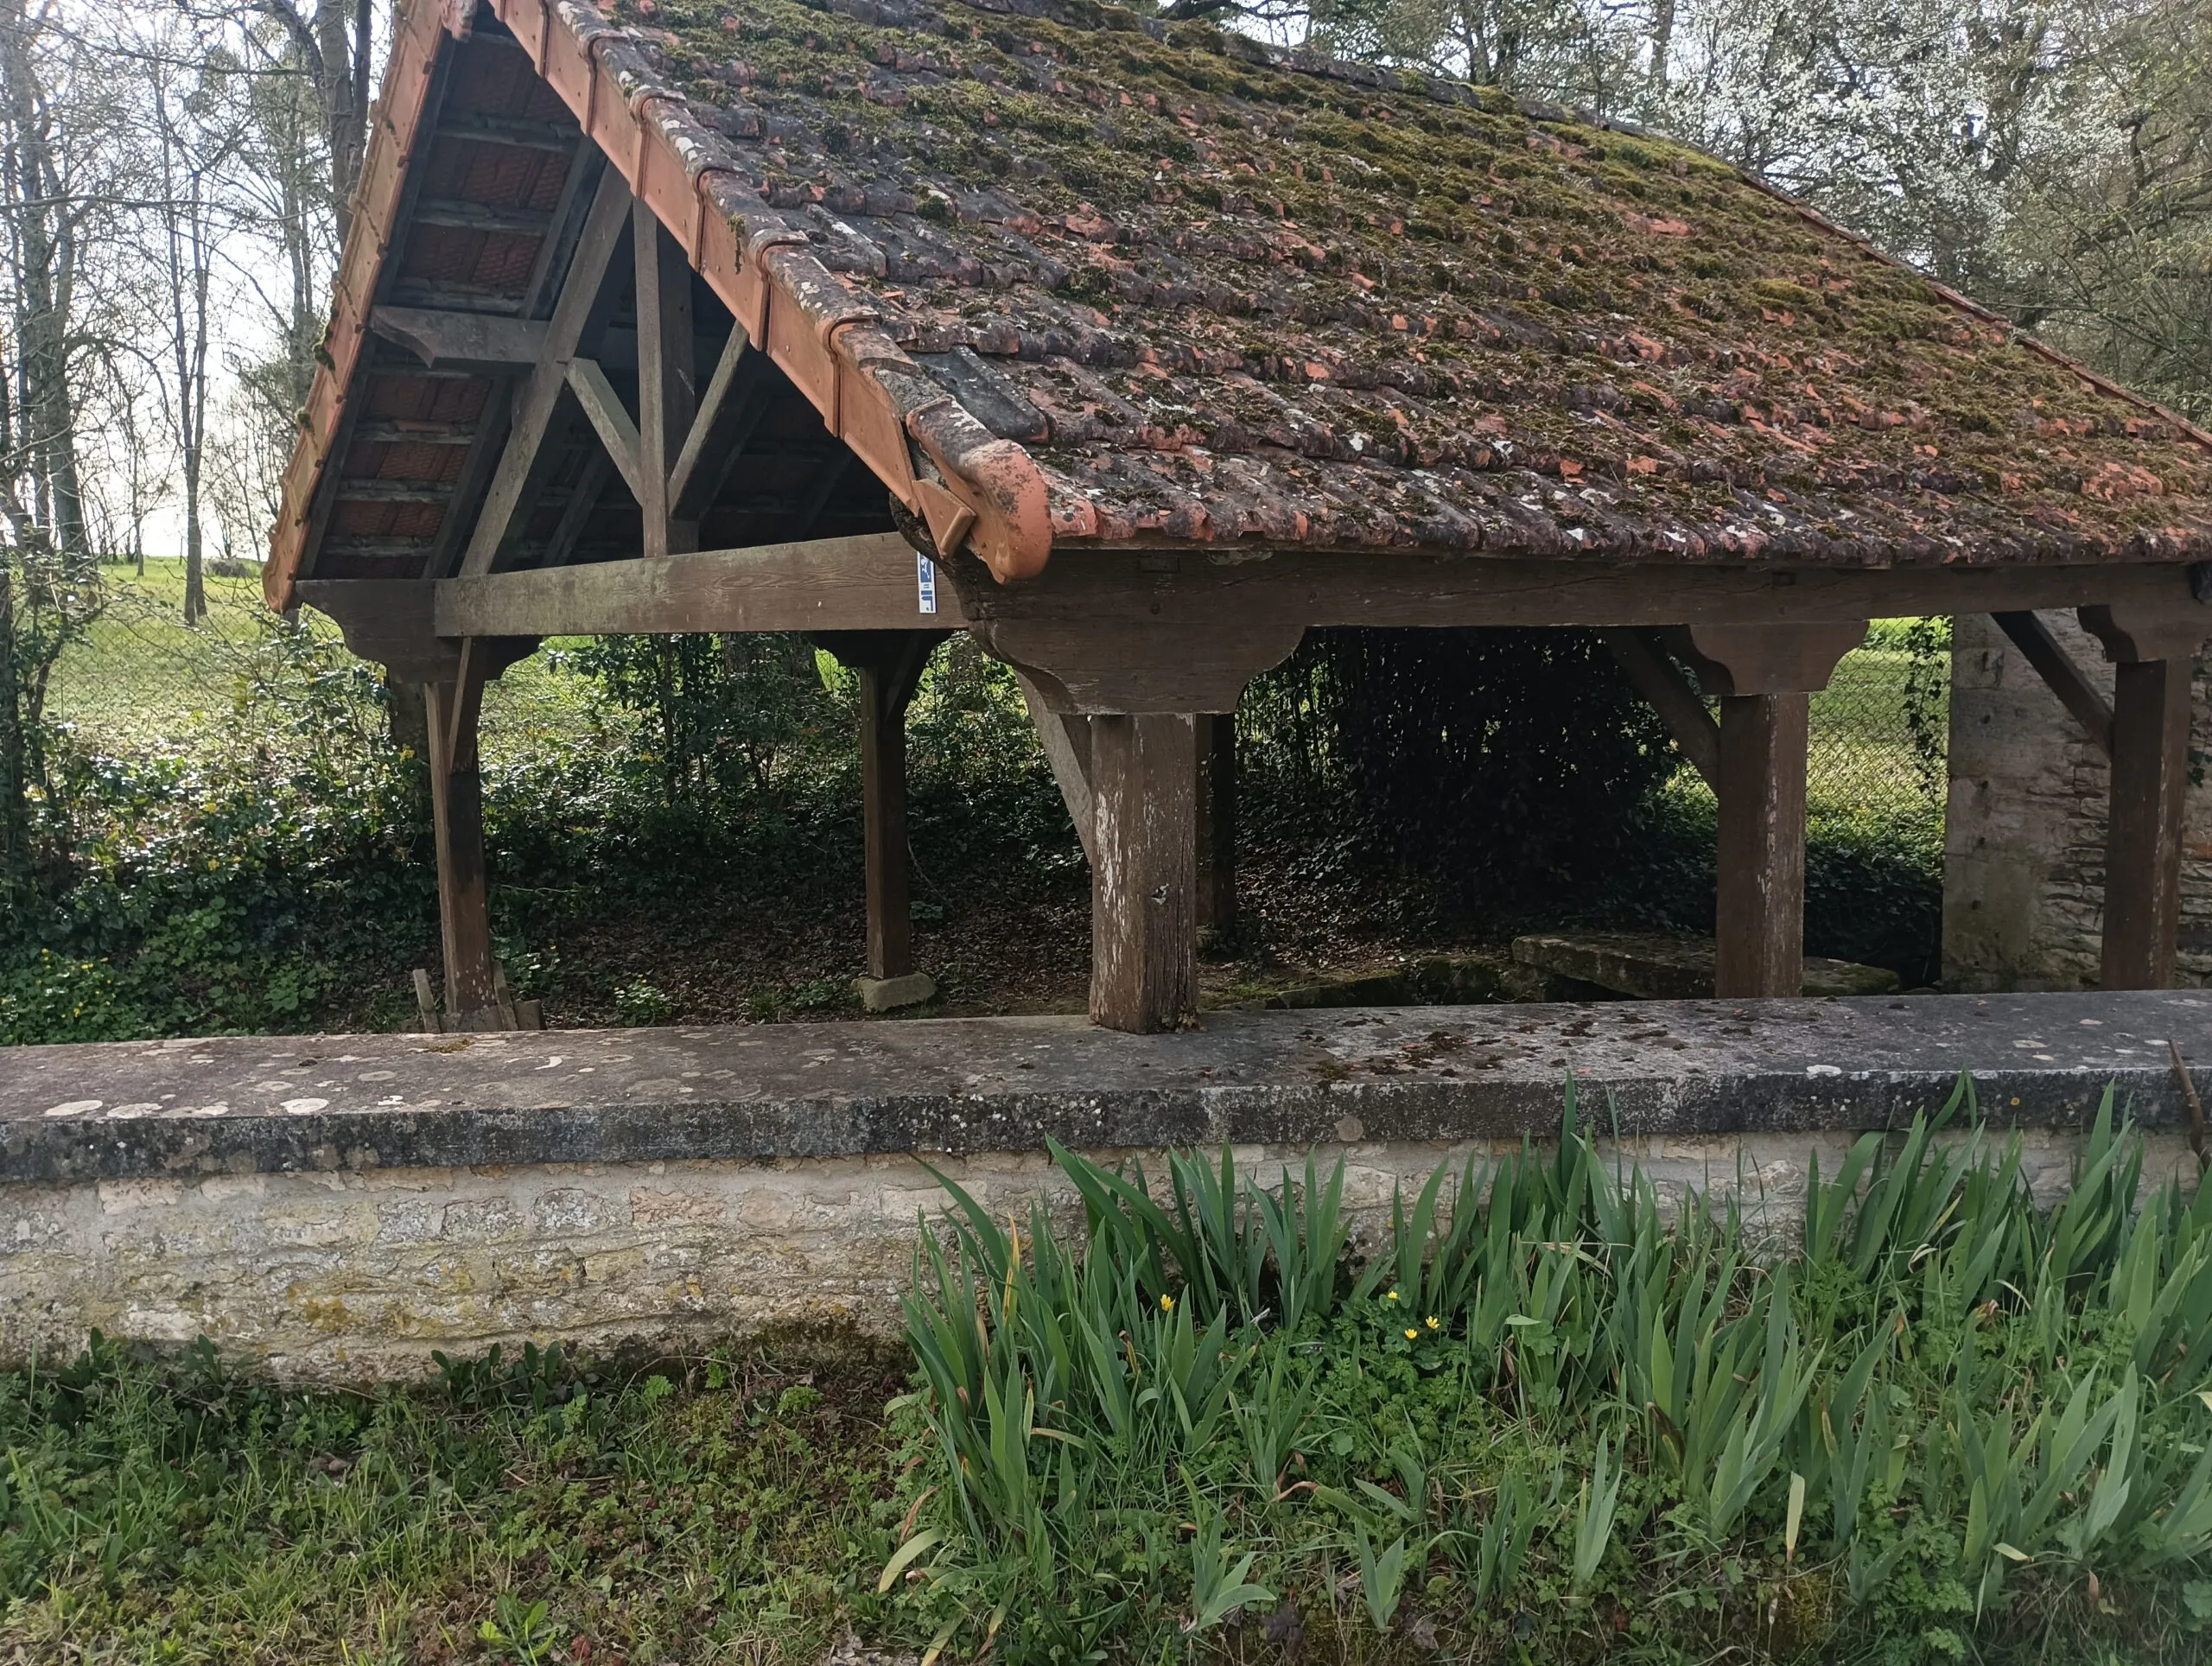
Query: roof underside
<point>1213,292</point>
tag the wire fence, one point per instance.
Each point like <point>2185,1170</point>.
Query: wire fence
<point>141,683</point>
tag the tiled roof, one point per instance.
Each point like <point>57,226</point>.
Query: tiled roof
<point>1219,291</point>
<point>1180,285</point>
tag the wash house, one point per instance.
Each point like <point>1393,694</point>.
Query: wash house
<point>1136,350</point>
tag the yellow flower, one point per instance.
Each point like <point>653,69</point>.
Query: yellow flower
<point>1432,1321</point>
<point>1167,1304</point>
<point>1393,1296</point>
<point>1411,1333</point>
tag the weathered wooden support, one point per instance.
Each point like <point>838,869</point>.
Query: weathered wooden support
<point>1679,705</point>
<point>1139,696</point>
<point>457,815</point>
<point>2083,701</point>
<point>1765,677</point>
<point>889,665</point>
<point>667,388</point>
<point>1217,823</point>
<point>1067,739</point>
<point>2153,655</point>
<point>864,583</point>
<point>525,459</point>
<point>1144,873</point>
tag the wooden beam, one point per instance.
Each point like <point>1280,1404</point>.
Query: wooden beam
<point>2083,699</point>
<point>524,462</point>
<point>1760,916</point>
<point>603,408</point>
<point>516,132</point>
<point>2153,653</point>
<point>413,432</point>
<point>1200,586</point>
<point>865,583</point>
<point>714,429</point>
<point>1066,737</point>
<point>1143,925</point>
<point>1764,675</point>
<point>443,339</point>
<point>457,820</point>
<point>462,215</point>
<point>1216,900</point>
<point>2151,709</point>
<point>889,664</point>
<point>667,384</point>
<point>372,490</point>
<point>1680,706</point>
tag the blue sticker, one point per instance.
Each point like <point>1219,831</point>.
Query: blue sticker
<point>925,582</point>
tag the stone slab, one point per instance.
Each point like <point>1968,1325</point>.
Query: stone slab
<point>883,994</point>
<point>246,1105</point>
<point>1655,966</point>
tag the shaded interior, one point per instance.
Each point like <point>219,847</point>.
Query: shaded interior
<point>492,209</point>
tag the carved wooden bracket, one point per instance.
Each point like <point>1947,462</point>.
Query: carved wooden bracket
<point>1745,659</point>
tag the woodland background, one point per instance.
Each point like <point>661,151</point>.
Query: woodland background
<point>239,841</point>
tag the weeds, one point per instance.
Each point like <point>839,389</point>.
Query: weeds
<point>1954,1422</point>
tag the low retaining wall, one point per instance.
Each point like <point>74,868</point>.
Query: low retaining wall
<point>334,1207</point>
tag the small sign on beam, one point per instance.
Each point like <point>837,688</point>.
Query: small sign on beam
<point>925,583</point>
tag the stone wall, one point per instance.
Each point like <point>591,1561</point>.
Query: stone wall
<point>2023,861</point>
<point>352,1275</point>
<point>335,1207</point>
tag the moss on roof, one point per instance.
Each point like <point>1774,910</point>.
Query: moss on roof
<point>1223,291</point>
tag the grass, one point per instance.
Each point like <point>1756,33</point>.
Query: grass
<point>1546,1419</point>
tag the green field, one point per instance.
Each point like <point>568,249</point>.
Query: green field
<point>142,681</point>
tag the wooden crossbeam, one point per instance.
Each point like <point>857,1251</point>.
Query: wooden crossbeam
<point>459,214</point>
<point>516,132</point>
<point>376,490</point>
<point>525,459</point>
<point>413,432</point>
<point>441,337</point>
<point>864,583</point>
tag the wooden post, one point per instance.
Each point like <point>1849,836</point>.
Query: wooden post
<point>1217,823</point>
<point>457,816</point>
<point>1144,875</point>
<point>1759,915</point>
<point>2153,653</point>
<point>1764,675</point>
<point>889,664</point>
<point>667,384</point>
<point>883,811</point>
<point>1141,693</point>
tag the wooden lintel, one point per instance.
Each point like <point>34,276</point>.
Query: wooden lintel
<point>1680,706</point>
<point>1195,586</point>
<point>2062,674</point>
<point>603,407</point>
<point>865,583</point>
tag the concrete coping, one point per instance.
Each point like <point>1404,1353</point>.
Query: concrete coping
<point>957,1086</point>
